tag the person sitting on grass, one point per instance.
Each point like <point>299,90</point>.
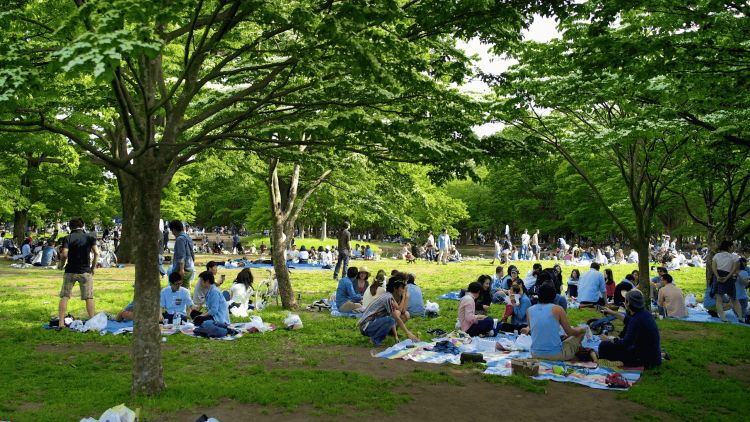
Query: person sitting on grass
<point>415,303</point>
<point>609,284</point>
<point>545,320</point>
<point>361,283</point>
<point>175,300</point>
<point>375,290</point>
<point>516,310</point>
<point>382,316</point>
<point>670,301</point>
<point>591,288</point>
<point>622,288</point>
<point>575,275</point>
<point>498,285</point>
<point>240,293</point>
<point>472,323</point>
<point>639,344</point>
<point>49,254</point>
<point>484,300</point>
<point>402,298</point>
<point>200,292</point>
<point>217,309</point>
<point>347,300</point>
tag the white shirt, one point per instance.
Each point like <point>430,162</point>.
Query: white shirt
<point>431,240</point>
<point>525,239</point>
<point>724,261</point>
<point>240,295</point>
<point>530,280</point>
<point>304,255</point>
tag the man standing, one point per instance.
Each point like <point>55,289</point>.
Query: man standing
<point>535,245</point>
<point>591,288</point>
<point>525,238</point>
<point>344,250</point>
<point>184,256</point>
<point>444,245</point>
<point>75,258</point>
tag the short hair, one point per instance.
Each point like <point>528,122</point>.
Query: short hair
<point>75,222</point>
<point>547,293</point>
<point>667,277</point>
<point>174,277</point>
<point>595,265</point>
<point>207,276</point>
<point>176,226</point>
<point>411,278</point>
<point>346,224</point>
<point>212,264</point>
<point>537,266</point>
<point>629,277</point>
<point>474,287</point>
<point>662,270</point>
<point>352,272</point>
<point>725,245</point>
<point>393,284</point>
<point>498,269</point>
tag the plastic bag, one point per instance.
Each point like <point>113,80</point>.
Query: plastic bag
<point>431,309</point>
<point>97,323</point>
<point>119,413</point>
<point>523,342</point>
<point>293,322</point>
<point>256,323</point>
<point>690,300</point>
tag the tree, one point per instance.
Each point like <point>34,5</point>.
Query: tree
<point>144,86</point>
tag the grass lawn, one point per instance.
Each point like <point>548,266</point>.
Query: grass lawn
<point>325,371</point>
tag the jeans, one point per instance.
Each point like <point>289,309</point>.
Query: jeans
<point>524,250</point>
<point>743,305</point>
<point>343,261</point>
<point>379,328</point>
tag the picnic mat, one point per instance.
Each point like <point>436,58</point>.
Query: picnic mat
<point>499,362</point>
<point>116,328</point>
<point>699,314</point>
<point>242,328</point>
<point>335,312</point>
<point>451,295</point>
<point>249,264</point>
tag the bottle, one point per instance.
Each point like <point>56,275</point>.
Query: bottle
<point>177,320</point>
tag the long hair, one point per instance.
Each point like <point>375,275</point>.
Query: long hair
<point>245,277</point>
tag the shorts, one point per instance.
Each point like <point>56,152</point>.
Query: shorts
<point>85,283</point>
<point>726,288</point>
<point>570,347</point>
<point>535,249</point>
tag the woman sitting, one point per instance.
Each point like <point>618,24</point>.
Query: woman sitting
<point>573,283</point>
<point>484,300</point>
<point>361,284</point>
<point>304,255</point>
<point>471,323</point>
<point>241,293</point>
<point>375,290</point>
<point>519,302</point>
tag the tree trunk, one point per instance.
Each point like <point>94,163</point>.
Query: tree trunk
<point>644,261</point>
<point>147,366</point>
<point>324,230</point>
<point>20,220</point>
<point>279,243</point>
<point>125,249</point>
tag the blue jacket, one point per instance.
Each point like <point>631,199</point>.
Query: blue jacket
<point>519,311</point>
<point>345,293</point>
<point>183,252</point>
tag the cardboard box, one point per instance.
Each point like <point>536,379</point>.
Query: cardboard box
<point>525,367</point>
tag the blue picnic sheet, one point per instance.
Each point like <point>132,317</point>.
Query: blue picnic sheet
<point>451,295</point>
<point>249,264</point>
<point>499,362</point>
<point>335,312</point>
<point>699,314</point>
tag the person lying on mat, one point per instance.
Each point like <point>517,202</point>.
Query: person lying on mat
<point>347,300</point>
<point>382,316</point>
<point>545,320</point>
<point>217,308</point>
<point>640,343</point>
<point>175,300</point>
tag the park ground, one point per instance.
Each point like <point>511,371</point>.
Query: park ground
<point>325,371</point>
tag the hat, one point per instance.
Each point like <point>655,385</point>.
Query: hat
<point>364,269</point>
<point>635,299</point>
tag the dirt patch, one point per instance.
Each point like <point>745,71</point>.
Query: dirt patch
<point>739,371</point>
<point>676,334</point>
<point>434,401</point>
<point>89,347</point>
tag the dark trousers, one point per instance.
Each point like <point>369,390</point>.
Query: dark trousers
<point>483,326</point>
<point>509,328</point>
<point>599,302</point>
<point>572,290</point>
<point>343,261</point>
<point>198,320</point>
<point>612,351</point>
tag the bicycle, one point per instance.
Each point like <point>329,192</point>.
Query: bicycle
<point>267,290</point>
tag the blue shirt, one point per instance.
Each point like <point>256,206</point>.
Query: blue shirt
<point>519,311</point>
<point>590,286</point>
<point>500,283</point>
<point>545,331</point>
<point>444,241</point>
<point>641,338</point>
<point>741,288</point>
<point>416,301</point>
<point>561,301</point>
<point>345,293</point>
<point>47,253</point>
<point>217,306</point>
<point>183,252</point>
<point>25,250</point>
<point>175,302</point>
<point>369,253</point>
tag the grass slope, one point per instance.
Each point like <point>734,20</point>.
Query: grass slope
<point>63,376</point>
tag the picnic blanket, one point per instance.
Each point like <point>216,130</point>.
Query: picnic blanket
<point>117,327</point>
<point>335,312</point>
<point>242,328</point>
<point>700,314</point>
<point>451,295</point>
<point>499,362</point>
<point>242,263</point>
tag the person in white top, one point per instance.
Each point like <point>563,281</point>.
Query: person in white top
<point>535,245</point>
<point>497,252</point>
<point>429,247</point>
<point>375,290</point>
<point>525,239</point>
<point>633,257</point>
<point>240,293</point>
<point>696,260</point>
<point>724,268</point>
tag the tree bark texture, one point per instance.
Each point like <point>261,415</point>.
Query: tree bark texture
<point>125,248</point>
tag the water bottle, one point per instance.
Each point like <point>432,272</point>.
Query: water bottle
<point>177,320</point>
